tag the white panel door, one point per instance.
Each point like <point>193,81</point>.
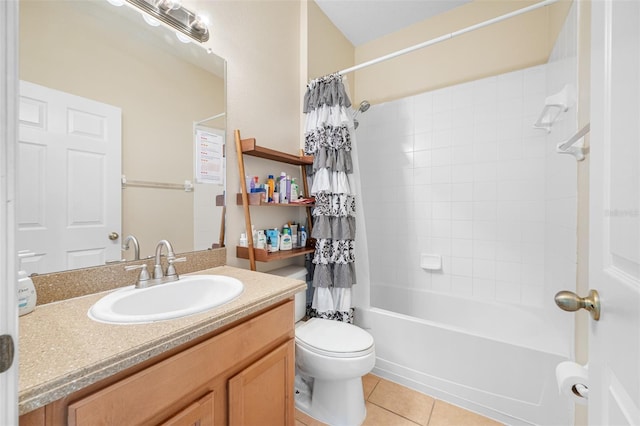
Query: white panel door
<point>69,169</point>
<point>614,264</point>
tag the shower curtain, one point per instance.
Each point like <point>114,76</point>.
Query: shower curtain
<point>328,136</point>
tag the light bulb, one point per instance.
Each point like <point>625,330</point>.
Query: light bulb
<point>183,38</point>
<point>150,20</point>
<point>200,23</point>
<point>169,4</point>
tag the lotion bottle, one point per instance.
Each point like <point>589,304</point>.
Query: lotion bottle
<point>27,296</point>
<point>285,239</point>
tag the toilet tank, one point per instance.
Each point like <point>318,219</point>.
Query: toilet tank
<point>298,273</point>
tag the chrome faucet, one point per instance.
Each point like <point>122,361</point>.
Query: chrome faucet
<point>136,246</point>
<point>157,269</point>
<point>170,275</point>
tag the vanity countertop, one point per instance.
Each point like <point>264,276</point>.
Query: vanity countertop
<point>62,350</point>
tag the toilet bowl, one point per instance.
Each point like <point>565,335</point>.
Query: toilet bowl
<point>331,358</point>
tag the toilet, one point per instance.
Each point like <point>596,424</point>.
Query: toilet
<point>331,358</point>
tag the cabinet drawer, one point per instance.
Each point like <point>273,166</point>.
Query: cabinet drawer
<point>154,391</point>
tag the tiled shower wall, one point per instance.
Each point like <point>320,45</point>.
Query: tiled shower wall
<point>460,172</point>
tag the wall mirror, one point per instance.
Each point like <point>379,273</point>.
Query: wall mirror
<point>105,95</point>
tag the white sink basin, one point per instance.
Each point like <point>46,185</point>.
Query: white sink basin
<point>189,295</point>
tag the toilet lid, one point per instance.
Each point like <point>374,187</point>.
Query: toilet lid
<point>334,338</point>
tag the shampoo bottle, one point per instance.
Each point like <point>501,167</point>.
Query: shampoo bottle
<point>303,236</point>
<point>26,291</point>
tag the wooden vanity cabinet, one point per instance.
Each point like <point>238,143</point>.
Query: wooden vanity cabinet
<point>241,376</point>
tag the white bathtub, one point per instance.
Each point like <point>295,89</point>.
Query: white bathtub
<point>490,358</point>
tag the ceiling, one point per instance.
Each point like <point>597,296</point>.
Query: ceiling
<point>364,20</point>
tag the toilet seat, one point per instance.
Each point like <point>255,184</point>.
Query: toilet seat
<point>334,339</point>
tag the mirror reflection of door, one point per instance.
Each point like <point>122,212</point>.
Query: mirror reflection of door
<point>68,197</point>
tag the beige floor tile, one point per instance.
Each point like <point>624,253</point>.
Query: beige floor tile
<point>369,382</point>
<point>405,402</point>
<point>445,414</point>
<point>378,416</point>
<point>303,419</point>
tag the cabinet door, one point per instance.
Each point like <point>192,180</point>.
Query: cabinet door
<point>200,413</point>
<point>262,394</point>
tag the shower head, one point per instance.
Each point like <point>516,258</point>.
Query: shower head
<point>363,107</point>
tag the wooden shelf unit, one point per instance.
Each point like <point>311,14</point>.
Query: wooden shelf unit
<point>262,255</point>
<point>250,147</point>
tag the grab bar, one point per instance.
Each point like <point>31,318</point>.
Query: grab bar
<point>567,147</point>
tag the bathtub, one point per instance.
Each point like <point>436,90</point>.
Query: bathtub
<point>490,358</point>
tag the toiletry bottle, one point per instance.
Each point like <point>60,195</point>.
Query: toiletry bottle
<point>27,296</point>
<point>243,240</point>
<point>262,240</point>
<point>294,235</point>
<point>303,236</point>
<point>271,190</point>
<point>273,240</point>
<point>284,199</point>
<point>285,240</point>
<point>288,189</point>
<point>294,190</point>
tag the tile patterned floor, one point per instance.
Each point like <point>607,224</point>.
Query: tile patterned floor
<point>390,404</point>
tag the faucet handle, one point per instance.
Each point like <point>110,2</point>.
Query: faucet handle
<point>144,274</point>
<point>171,269</point>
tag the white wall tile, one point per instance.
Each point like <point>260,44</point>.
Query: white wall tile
<point>484,288</point>
<point>484,210</point>
<point>441,210</point>
<point>462,229</point>
<point>462,286</point>
<point>462,266</point>
<point>462,173</point>
<point>461,210</point>
<point>441,174</point>
<point>484,249</point>
<point>484,230</point>
<point>485,269</point>
<point>485,191</point>
<point>462,191</point>
<point>469,178</point>
<point>461,247</point>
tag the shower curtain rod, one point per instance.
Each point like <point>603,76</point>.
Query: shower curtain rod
<point>448,36</point>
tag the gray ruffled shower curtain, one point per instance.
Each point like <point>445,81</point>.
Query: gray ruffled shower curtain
<point>328,136</point>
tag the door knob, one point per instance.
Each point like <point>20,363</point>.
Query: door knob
<point>114,236</point>
<point>569,301</point>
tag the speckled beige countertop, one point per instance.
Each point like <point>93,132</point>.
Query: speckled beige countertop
<point>62,350</point>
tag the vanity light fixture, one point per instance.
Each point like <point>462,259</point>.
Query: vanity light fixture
<point>178,17</point>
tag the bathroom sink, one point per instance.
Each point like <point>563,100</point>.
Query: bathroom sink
<point>189,295</point>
